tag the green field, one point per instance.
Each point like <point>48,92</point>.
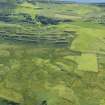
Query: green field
<point>52,53</point>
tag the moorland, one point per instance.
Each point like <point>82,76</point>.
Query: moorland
<point>52,53</point>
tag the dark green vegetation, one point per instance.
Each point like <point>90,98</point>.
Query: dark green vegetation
<point>51,53</point>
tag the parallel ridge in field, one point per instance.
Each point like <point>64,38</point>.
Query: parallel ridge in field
<point>39,40</point>
<point>49,39</point>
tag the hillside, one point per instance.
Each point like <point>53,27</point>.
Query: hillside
<point>52,53</point>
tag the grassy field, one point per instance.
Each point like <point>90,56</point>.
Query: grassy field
<point>51,54</point>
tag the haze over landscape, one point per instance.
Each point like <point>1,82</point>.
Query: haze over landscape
<point>87,0</point>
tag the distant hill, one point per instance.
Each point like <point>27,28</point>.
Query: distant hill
<point>87,1</point>
<point>47,1</point>
<point>100,4</point>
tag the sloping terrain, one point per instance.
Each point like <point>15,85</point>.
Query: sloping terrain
<point>51,53</point>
